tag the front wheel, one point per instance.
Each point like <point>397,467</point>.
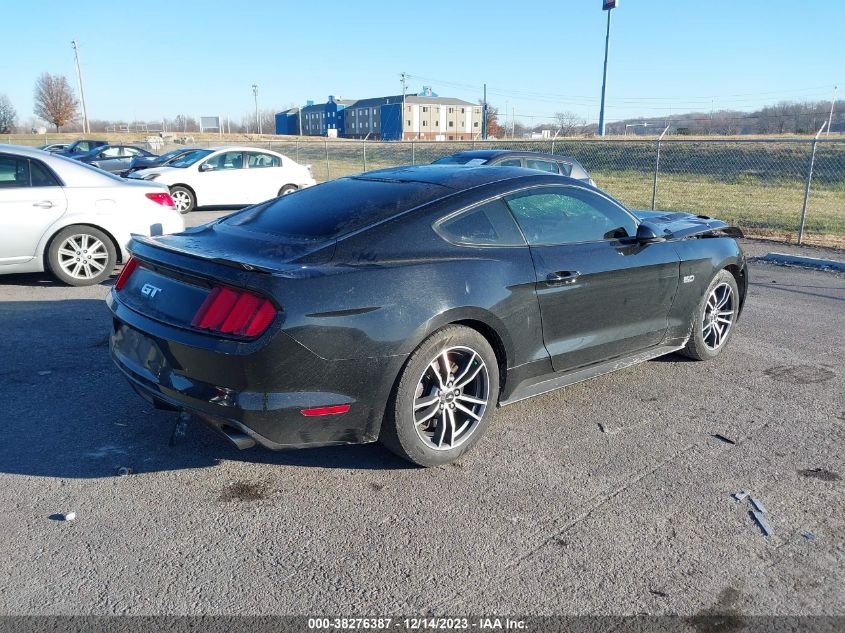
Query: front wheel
<point>444,399</point>
<point>712,323</point>
<point>81,255</point>
<point>183,199</point>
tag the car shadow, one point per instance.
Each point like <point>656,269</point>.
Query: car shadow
<point>46,280</point>
<point>69,413</point>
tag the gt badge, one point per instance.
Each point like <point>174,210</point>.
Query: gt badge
<point>148,290</point>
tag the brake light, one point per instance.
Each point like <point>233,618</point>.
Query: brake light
<point>334,410</point>
<point>163,199</point>
<point>234,312</point>
<point>127,271</point>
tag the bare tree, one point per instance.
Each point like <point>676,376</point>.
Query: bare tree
<point>54,100</point>
<point>268,121</point>
<point>569,123</point>
<point>8,115</point>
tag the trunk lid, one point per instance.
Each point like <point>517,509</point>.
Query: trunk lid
<point>177,273</point>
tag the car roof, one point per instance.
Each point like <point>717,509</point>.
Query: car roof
<point>457,177</point>
<point>242,148</point>
<point>497,153</point>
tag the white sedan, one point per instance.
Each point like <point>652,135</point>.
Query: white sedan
<point>71,218</point>
<point>228,176</point>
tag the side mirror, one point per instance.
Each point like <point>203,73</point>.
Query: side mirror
<point>647,233</point>
<point>206,167</point>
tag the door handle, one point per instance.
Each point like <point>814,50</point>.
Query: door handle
<point>563,277</point>
<point>43,204</point>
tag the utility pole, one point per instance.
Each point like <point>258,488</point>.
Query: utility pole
<point>403,76</point>
<point>86,128</point>
<point>257,118</point>
<point>484,116</point>
<point>830,116</point>
<point>513,123</point>
<point>607,5</point>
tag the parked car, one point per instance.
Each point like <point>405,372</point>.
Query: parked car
<point>228,176</point>
<point>145,162</point>
<point>71,218</point>
<point>113,158</point>
<point>552,163</point>
<point>406,304</point>
<point>82,146</point>
<point>53,147</point>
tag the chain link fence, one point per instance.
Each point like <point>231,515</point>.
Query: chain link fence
<point>785,190</point>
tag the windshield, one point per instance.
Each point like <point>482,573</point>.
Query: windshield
<point>189,159</point>
<point>171,155</point>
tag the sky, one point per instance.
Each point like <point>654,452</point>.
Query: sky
<point>142,62</point>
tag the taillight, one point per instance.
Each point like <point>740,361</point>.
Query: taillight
<point>234,312</point>
<point>163,199</point>
<point>127,271</point>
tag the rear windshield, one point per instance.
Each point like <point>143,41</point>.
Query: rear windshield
<point>335,208</point>
<point>460,159</point>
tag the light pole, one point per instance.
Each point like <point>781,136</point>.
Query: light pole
<point>830,116</point>
<point>607,5</point>
<point>257,119</point>
<point>86,129</point>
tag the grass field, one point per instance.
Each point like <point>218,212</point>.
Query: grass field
<point>757,184</point>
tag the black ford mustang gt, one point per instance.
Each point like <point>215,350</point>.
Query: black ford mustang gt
<point>406,304</point>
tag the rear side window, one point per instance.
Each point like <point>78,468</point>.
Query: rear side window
<point>20,172</point>
<point>263,160</point>
<point>336,207</point>
<point>489,224</point>
<point>565,169</point>
<point>41,176</point>
<point>542,165</point>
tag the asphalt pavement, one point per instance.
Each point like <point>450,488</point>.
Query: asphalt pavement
<point>611,496</point>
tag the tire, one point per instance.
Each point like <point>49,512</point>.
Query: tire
<point>81,255</point>
<point>459,416</point>
<point>714,318</point>
<point>287,189</point>
<point>183,198</point>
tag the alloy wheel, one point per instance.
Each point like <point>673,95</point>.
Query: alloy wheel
<point>718,316</point>
<point>451,397</point>
<point>182,200</point>
<point>83,256</point>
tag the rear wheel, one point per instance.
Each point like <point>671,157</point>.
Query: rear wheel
<point>444,399</point>
<point>287,189</point>
<point>183,199</point>
<point>712,324</point>
<point>81,255</point>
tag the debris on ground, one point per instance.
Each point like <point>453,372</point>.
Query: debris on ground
<point>722,438</point>
<point>758,511</point>
<point>761,521</point>
<point>809,536</point>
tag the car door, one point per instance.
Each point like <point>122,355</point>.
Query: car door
<point>222,179</point>
<point>266,176</point>
<point>31,199</point>
<point>602,294</point>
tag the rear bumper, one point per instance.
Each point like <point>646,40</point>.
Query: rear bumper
<point>258,391</point>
